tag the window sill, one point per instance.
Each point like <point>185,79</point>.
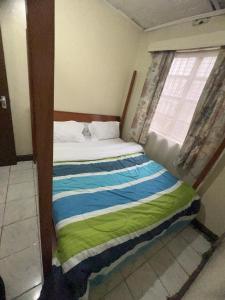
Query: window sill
<point>161,136</point>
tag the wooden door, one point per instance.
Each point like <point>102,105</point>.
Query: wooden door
<point>7,144</point>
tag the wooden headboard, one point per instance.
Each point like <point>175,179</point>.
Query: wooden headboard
<point>81,117</point>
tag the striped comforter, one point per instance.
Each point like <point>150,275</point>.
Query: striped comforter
<point>104,209</point>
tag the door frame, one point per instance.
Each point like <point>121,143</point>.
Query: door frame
<point>40,44</point>
<point>12,159</point>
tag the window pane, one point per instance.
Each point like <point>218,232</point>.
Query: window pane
<point>183,87</point>
<point>195,90</point>
<point>182,65</point>
<point>206,66</point>
<point>174,87</point>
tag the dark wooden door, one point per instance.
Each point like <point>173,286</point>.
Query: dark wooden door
<point>7,144</point>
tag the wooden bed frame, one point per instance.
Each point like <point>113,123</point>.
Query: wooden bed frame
<point>40,44</point>
<point>82,117</point>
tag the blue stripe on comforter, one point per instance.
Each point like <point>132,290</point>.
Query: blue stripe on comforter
<point>65,208</point>
<point>95,181</point>
<point>63,170</point>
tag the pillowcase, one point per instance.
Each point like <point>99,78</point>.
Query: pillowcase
<point>105,130</point>
<point>69,131</point>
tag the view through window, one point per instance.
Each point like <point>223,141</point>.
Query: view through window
<point>183,87</point>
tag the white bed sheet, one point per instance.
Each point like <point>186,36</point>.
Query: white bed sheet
<point>91,150</point>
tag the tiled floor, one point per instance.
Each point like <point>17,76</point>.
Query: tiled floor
<point>20,262</point>
<point>158,273</point>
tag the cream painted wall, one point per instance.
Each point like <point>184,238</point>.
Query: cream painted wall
<point>13,25</point>
<point>213,204</point>
<point>182,36</point>
<point>95,52</point>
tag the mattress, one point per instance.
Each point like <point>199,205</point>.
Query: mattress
<point>104,209</point>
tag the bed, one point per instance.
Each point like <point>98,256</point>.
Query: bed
<point>110,203</point>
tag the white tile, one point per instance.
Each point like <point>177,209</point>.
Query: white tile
<point>169,236</point>
<point>196,240</point>
<point>20,190</point>
<point>3,191</point>
<point>20,209</point>
<point>170,272</point>
<point>37,204</point>
<point>2,207</point>
<point>141,281</point>
<point>132,265</point>
<point>32,294</point>
<point>18,236</point>
<point>20,176</point>
<point>119,292</point>
<point>22,165</point>
<point>188,258</point>
<point>156,292</point>
<point>4,170</point>
<point>97,292</point>
<point>4,174</point>
<point>153,249</point>
<point>21,271</point>
<point>113,280</point>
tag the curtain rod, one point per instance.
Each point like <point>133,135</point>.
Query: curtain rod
<point>192,49</point>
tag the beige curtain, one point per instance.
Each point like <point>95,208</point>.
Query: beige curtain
<point>207,129</point>
<point>156,77</point>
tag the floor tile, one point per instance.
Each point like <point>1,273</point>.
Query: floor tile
<point>18,236</point>
<point>141,281</point>
<point>119,292</point>
<point>188,258</point>
<point>196,240</point>
<point>97,292</point>
<point>20,209</point>
<point>21,271</point>
<point>3,191</point>
<point>4,174</point>
<point>165,239</point>
<point>20,190</point>
<point>170,272</point>
<point>132,265</point>
<point>22,165</point>
<point>153,249</point>
<point>19,176</point>
<point>156,292</point>
<point>32,294</point>
<point>2,208</point>
<point>113,280</point>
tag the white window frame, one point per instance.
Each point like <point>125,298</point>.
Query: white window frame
<point>200,55</point>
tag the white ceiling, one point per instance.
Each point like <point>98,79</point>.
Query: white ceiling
<point>151,13</point>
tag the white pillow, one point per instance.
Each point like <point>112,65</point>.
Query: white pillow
<point>69,131</point>
<point>105,130</point>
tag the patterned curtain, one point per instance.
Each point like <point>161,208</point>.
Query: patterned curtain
<point>207,129</point>
<point>156,77</point>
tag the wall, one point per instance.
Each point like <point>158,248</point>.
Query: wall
<point>182,36</point>
<point>13,25</point>
<point>95,52</point>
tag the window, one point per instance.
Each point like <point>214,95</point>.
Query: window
<point>183,87</point>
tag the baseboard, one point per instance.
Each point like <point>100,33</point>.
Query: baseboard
<point>211,236</point>
<point>205,258</point>
<point>24,157</point>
